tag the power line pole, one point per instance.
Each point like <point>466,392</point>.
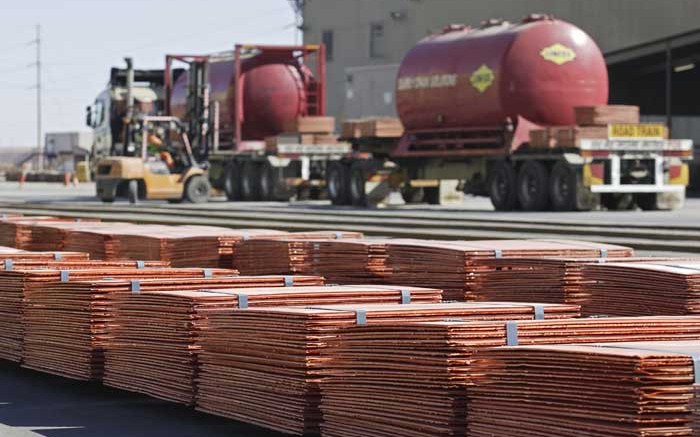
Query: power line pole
<point>39,139</point>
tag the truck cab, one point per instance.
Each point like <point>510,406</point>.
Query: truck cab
<point>107,114</point>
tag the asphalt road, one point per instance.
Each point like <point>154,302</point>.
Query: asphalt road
<point>36,404</point>
<point>472,207</point>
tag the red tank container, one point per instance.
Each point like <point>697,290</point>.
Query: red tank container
<point>539,69</point>
<point>273,95</point>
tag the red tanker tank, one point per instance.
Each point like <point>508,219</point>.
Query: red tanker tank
<point>539,69</point>
<point>264,87</point>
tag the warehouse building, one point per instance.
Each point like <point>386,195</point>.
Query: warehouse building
<point>652,48</point>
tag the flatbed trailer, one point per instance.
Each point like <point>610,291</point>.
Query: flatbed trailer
<point>616,173</point>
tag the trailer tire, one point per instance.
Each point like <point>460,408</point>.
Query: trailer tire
<point>431,195</point>
<point>250,181</point>
<point>563,186</point>
<point>533,186</point>
<point>107,199</point>
<point>501,187</point>
<point>358,178</point>
<point>412,194</point>
<point>267,182</point>
<point>232,181</point>
<point>133,191</point>
<point>647,202</point>
<point>617,202</point>
<point>337,183</point>
<point>197,189</point>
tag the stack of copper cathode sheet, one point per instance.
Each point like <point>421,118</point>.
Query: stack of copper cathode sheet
<point>458,267</point>
<point>182,246</point>
<point>289,254</point>
<point>554,280</point>
<point>17,231</point>
<point>263,366</point>
<point>608,389</point>
<point>670,287</point>
<point>65,317</point>
<point>152,346</point>
<point>413,378</point>
<point>11,328</point>
<point>349,261</point>
<point>52,235</point>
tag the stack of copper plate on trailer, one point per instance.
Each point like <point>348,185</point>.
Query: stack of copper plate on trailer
<point>288,254</point>
<point>65,321</point>
<point>152,347</point>
<point>669,287</point>
<point>459,266</point>
<point>607,389</point>
<point>554,280</point>
<point>413,378</point>
<point>262,366</point>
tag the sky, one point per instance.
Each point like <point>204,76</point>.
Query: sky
<point>82,39</point>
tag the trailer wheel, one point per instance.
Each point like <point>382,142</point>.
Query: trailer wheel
<point>107,199</point>
<point>267,182</point>
<point>358,177</point>
<point>133,191</point>
<point>647,202</point>
<point>232,181</point>
<point>617,202</point>
<point>533,186</point>
<point>412,194</point>
<point>563,187</point>
<point>197,189</point>
<point>337,181</point>
<point>501,187</point>
<point>250,181</point>
<point>431,195</point>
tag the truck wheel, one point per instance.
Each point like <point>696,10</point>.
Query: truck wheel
<point>267,182</point>
<point>232,181</point>
<point>358,177</point>
<point>501,187</point>
<point>250,181</point>
<point>337,181</point>
<point>533,186</point>
<point>197,189</point>
<point>133,191</point>
<point>617,202</point>
<point>107,199</point>
<point>563,186</point>
<point>647,202</point>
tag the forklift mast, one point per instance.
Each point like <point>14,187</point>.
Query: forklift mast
<point>198,101</point>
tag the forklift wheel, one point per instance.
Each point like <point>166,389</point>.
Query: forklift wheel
<point>197,189</point>
<point>133,191</point>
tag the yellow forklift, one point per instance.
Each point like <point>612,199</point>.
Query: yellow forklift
<point>157,163</point>
<point>138,153</point>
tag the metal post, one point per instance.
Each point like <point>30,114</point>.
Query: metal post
<point>669,87</point>
<point>39,142</point>
<point>129,103</point>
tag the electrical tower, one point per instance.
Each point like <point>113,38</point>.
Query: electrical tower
<point>298,7</point>
<point>37,64</point>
